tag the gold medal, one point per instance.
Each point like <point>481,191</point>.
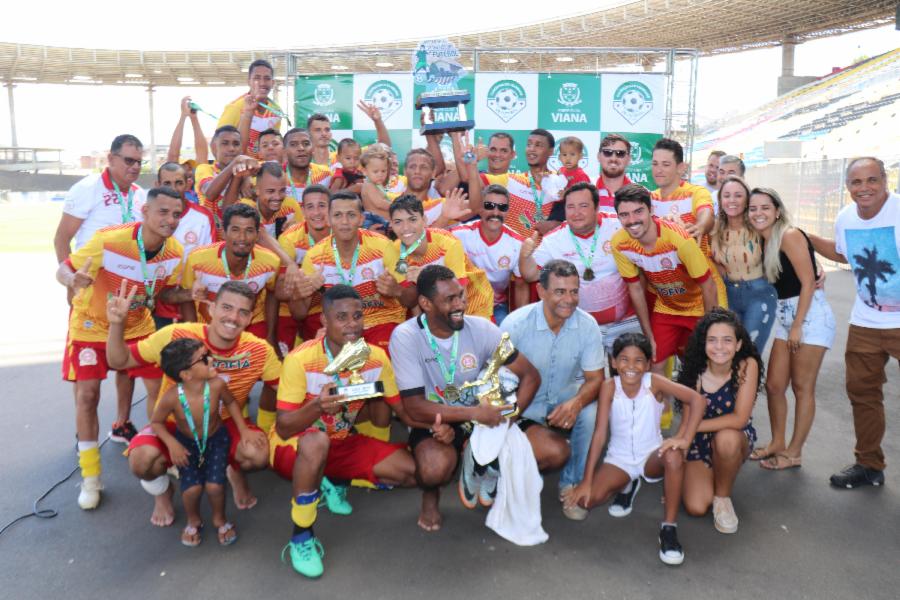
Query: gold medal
<point>588,274</point>
<point>402,267</point>
<point>451,394</point>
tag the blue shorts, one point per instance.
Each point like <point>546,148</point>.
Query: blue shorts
<point>215,459</point>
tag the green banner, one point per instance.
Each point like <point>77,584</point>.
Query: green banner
<point>519,164</point>
<point>569,102</point>
<point>640,171</point>
<point>331,95</point>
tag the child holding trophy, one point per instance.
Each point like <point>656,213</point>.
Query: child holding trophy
<point>630,408</point>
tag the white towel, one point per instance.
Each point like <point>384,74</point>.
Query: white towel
<point>516,513</point>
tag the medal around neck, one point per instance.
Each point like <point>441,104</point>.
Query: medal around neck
<point>353,357</point>
<point>489,388</point>
<point>436,66</point>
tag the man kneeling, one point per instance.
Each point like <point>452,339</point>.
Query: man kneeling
<point>313,433</point>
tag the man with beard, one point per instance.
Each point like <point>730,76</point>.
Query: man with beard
<point>712,172</point>
<point>614,157</point>
<point>433,355</point>
<point>439,212</point>
<point>254,112</point>
<point>241,358</point>
<point>301,172</point>
<point>276,211</point>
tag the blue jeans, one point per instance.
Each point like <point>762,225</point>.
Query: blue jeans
<point>754,303</point>
<point>500,312</point>
<point>579,439</point>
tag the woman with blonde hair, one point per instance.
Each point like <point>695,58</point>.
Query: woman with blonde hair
<point>737,251</point>
<point>804,330</point>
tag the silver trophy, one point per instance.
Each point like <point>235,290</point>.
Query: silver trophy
<point>436,66</point>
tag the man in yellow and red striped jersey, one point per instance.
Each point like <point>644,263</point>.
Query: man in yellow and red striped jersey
<point>298,165</point>
<point>252,112</point>
<point>142,254</point>
<point>276,210</point>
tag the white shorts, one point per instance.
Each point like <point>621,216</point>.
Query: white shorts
<point>818,327</point>
<point>634,469</point>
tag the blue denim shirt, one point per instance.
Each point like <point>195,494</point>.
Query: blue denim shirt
<point>560,358</point>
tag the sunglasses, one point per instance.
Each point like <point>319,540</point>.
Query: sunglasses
<point>130,162</point>
<point>617,153</point>
<point>495,206</point>
<point>204,359</point>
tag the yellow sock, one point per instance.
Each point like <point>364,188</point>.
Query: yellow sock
<point>265,419</point>
<point>367,428</point>
<point>304,515</point>
<point>89,461</point>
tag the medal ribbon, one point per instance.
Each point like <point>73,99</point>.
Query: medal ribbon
<point>127,213</point>
<point>228,271</point>
<point>190,418</point>
<point>586,261</point>
<point>297,197</point>
<point>149,284</point>
<point>404,251</point>
<point>340,268</point>
<point>447,373</point>
<point>538,198</point>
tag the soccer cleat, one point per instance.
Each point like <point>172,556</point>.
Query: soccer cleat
<point>335,498</point>
<point>856,476</point>
<point>670,551</point>
<point>306,557</point>
<point>89,497</point>
<point>624,500</point>
<point>469,481</point>
<point>487,491</point>
<point>122,433</point>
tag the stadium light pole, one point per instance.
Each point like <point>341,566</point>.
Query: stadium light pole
<point>12,119</point>
<point>150,90</point>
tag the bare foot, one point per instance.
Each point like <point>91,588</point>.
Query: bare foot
<point>243,496</point>
<point>163,510</point>
<point>430,516</point>
<point>764,452</point>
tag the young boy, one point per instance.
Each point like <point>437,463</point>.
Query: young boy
<point>571,150</point>
<point>197,443</point>
<point>346,174</point>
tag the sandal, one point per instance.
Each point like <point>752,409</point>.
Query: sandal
<point>227,534</point>
<point>775,463</point>
<point>761,453</point>
<point>190,535</point>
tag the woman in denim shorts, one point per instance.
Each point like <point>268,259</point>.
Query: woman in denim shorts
<point>803,332</point>
<point>737,250</point>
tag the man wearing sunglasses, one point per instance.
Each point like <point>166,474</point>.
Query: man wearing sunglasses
<point>97,201</point>
<point>494,248</point>
<point>614,157</point>
<point>241,359</point>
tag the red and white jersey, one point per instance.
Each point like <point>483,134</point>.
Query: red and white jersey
<point>607,198</point>
<point>94,200</point>
<point>196,227</point>
<point>499,259</point>
<point>606,296</point>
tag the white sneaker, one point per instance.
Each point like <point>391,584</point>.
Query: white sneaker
<point>573,513</point>
<point>89,497</point>
<point>723,515</point>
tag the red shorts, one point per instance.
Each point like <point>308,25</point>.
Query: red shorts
<point>311,326</point>
<point>146,437</point>
<point>286,332</point>
<point>353,457</point>
<point>259,329</point>
<point>671,333</point>
<point>380,335</point>
<point>87,360</point>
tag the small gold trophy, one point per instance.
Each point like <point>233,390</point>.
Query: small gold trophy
<point>490,379</point>
<point>352,357</point>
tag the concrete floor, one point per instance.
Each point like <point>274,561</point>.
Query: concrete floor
<point>798,537</point>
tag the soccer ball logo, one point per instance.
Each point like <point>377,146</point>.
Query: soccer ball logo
<point>386,96</point>
<point>506,99</point>
<point>324,95</point>
<point>633,100</point>
<point>569,95</point>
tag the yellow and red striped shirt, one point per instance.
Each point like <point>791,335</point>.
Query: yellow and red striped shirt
<point>317,174</point>
<point>115,257</point>
<point>686,202</point>
<point>289,208</point>
<point>262,119</point>
<point>303,379</point>
<point>522,205</point>
<point>295,241</point>
<point>205,263</point>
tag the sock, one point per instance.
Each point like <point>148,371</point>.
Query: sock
<point>371,430</point>
<point>303,509</point>
<point>89,459</point>
<point>663,524</point>
<point>301,534</point>
<point>265,419</point>
<point>156,487</point>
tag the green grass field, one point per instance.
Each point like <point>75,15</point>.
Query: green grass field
<point>28,227</point>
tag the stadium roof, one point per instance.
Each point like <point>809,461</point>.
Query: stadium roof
<point>711,26</point>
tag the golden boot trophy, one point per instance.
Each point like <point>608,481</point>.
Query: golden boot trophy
<point>487,387</point>
<point>353,357</point>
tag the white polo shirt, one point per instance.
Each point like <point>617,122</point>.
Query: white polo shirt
<point>95,201</point>
<point>499,259</point>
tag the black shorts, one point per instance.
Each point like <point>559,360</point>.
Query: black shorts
<point>461,431</point>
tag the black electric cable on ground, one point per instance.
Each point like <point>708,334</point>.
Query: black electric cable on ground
<point>49,513</point>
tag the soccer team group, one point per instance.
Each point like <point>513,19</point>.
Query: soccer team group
<point>259,263</point>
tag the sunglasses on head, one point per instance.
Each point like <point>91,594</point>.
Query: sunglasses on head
<point>130,162</point>
<point>495,206</point>
<point>617,153</point>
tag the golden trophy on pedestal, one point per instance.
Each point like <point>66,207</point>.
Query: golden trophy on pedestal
<point>353,357</point>
<point>487,387</point>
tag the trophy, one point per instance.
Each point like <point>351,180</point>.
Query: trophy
<point>488,386</point>
<point>352,357</point>
<point>436,66</point>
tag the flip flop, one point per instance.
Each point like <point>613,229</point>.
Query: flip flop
<point>224,538</point>
<point>426,527</point>
<point>772,463</point>
<point>760,453</point>
<point>190,536</point>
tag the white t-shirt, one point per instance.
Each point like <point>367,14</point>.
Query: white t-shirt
<point>499,259</point>
<point>606,296</point>
<point>195,228</point>
<point>872,247</point>
<point>95,201</point>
